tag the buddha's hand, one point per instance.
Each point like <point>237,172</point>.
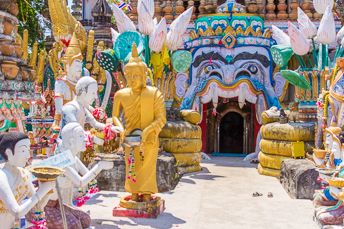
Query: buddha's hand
<point>106,165</point>
<point>116,129</point>
<point>146,133</point>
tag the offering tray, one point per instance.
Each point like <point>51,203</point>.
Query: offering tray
<point>106,157</point>
<point>46,173</point>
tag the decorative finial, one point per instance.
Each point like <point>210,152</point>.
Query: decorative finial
<point>73,51</point>
<point>134,52</point>
<point>135,55</point>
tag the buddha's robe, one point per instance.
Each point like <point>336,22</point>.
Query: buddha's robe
<point>140,111</point>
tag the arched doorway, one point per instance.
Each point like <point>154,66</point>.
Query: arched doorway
<point>231,133</point>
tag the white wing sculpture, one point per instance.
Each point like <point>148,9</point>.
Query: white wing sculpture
<point>279,36</point>
<point>327,28</point>
<point>123,22</point>
<point>298,41</point>
<point>306,26</point>
<point>145,12</point>
<point>177,30</point>
<point>158,37</point>
<point>321,5</point>
<point>114,35</point>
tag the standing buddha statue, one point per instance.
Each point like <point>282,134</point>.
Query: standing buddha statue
<point>144,109</point>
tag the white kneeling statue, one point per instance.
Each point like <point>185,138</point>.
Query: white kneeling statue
<point>73,139</point>
<point>78,109</point>
<point>15,181</point>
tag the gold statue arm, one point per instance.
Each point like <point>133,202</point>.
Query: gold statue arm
<point>159,113</point>
<point>116,111</point>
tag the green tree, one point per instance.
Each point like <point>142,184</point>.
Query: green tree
<point>29,18</point>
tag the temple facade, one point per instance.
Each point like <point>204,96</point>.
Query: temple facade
<point>232,79</point>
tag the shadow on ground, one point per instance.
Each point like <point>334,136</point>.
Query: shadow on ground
<point>95,199</point>
<point>234,162</point>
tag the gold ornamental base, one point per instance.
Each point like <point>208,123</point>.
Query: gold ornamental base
<point>130,208</point>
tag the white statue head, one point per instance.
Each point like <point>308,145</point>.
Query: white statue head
<point>73,59</point>
<point>74,70</point>
<point>73,137</point>
<point>15,148</point>
<point>86,90</point>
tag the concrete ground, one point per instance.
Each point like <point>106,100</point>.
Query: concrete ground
<point>220,196</point>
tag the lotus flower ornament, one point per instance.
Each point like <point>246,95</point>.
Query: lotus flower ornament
<point>327,28</point>
<point>306,26</point>
<point>123,22</point>
<point>279,36</point>
<point>158,37</point>
<point>145,11</point>
<point>177,30</point>
<point>321,5</point>
<point>299,42</point>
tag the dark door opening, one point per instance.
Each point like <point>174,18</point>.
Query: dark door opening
<point>232,133</point>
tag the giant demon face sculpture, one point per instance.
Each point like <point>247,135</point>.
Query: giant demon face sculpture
<point>243,70</point>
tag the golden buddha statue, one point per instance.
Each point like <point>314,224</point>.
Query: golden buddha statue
<point>144,109</point>
<point>65,83</point>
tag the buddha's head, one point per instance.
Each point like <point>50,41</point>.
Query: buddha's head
<point>15,148</point>
<point>73,137</point>
<point>73,60</point>
<point>86,90</point>
<point>135,71</point>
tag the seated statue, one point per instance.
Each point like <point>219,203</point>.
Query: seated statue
<point>328,202</point>
<point>73,139</point>
<point>143,109</point>
<point>15,182</point>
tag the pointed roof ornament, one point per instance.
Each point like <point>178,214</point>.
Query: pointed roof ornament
<point>73,50</point>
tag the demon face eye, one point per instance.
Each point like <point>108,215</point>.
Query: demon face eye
<point>253,69</point>
<point>208,68</point>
